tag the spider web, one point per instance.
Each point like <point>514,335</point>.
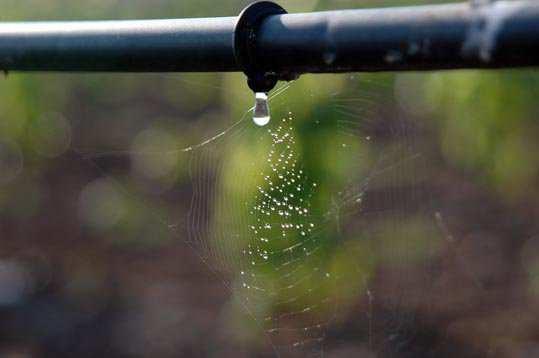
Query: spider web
<point>319,223</point>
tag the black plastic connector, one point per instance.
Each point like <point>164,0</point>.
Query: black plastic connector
<point>245,44</point>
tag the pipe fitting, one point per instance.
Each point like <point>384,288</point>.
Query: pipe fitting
<point>245,45</point>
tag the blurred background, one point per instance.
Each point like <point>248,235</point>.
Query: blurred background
<point>377,215</point>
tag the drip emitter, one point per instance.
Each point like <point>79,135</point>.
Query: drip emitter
<point>260,79</point>
<point>247,54</point>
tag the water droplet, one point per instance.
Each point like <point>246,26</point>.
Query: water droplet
<point>261,115</point>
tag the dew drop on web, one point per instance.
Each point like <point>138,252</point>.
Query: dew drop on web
<point>261,115</point>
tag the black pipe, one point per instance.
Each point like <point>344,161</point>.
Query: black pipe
<point>189,45</point>
<point>503,34</point>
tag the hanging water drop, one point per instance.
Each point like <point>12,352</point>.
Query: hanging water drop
<point>261,115</point>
